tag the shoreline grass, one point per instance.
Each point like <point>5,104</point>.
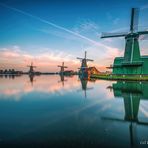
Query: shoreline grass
<point>121,77</point>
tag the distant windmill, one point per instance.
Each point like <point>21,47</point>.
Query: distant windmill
<point>31,70</point>
<point>84,61</point>
<point>132,62</point>
<point>62,68</point>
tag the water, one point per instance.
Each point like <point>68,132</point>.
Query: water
<point>53,111</point>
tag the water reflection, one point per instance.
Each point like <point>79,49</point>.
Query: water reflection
<point>9,76</point>
<point>132,93</point>
<point>62,79</point>
<point>39,111</point>
<point>84,81</point>
<point>17,86</point>
<point>31,77</point>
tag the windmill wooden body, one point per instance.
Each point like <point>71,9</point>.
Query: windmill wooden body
<point>132,62</point>
<point>84,67</point>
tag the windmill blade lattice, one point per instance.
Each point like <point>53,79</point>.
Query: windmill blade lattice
<point>109,35</point>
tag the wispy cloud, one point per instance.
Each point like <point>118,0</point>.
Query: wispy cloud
<point>62,34</point>
<point>144,7</point>
<point>103,57</point>
<point>86,26</point>
<point>116,21</point>
<point>92,42</point>
<point>51,24</point>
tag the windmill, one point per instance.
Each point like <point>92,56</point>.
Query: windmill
<point>132,62</point>
<point>62,68</point>
<point>84,65</point>
<point>31,70</point>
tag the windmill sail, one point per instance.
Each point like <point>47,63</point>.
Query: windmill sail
<point>79,58</point>
<point>134,19</point>
<point>90,60</point>
<point>109,35</point>
<point>143,32</point>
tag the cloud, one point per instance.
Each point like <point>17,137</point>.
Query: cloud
<point>47,60</point>
<point>103,56</point>
<point>12,58</point>
<point>144,7</point>
<point>13,53</point>
<point>84,26</point>
<point>90,41</point>
<point>63,35</point>
<point>116,21</point>
<point>108,39</point>
<point>51,24</point>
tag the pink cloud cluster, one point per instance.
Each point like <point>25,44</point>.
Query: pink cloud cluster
<point>45,62</point>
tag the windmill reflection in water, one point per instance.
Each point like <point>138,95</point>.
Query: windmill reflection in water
<point>132,93</point>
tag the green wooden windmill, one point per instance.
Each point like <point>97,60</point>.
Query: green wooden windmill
<point>132,62</point>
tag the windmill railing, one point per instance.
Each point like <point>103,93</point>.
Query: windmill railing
<point>113,66</point>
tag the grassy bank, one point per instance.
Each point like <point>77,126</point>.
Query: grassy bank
<point>122,77</point>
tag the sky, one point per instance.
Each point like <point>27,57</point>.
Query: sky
<point>49,32</point>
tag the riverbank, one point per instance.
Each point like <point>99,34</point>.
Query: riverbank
<point>121,77</point>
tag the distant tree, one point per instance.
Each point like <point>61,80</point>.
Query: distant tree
<point>9,71</point>
<point>12,71</point>
<point>1,71</point>
<point>5,71</point>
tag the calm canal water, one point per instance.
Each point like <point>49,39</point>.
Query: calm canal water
<point>68,112</point>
